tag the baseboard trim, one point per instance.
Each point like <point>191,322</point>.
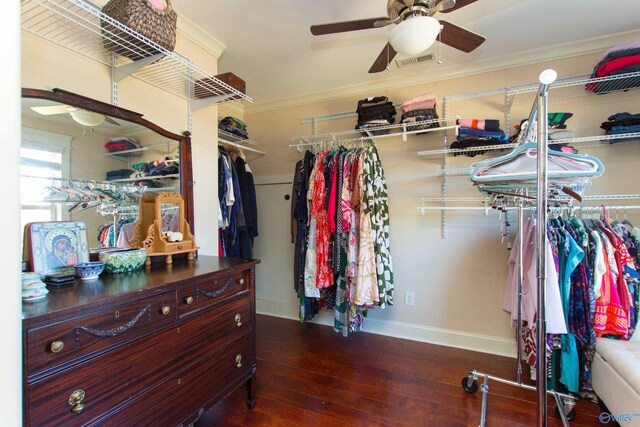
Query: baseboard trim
<point>446,337</point>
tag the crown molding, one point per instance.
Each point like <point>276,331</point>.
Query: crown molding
<point>200,37</point>
<point>234,109</point>
<point>549,53</point>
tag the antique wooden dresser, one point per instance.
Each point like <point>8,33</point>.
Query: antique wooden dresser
<point>159,346</point>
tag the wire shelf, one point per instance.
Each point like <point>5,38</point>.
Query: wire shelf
<point>578,86</point>
<point>602,139</point>
<point>227,138</point>
<point>398,129</point>
<point>81,26</point>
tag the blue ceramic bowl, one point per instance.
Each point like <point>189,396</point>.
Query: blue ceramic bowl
<point>89,270</point>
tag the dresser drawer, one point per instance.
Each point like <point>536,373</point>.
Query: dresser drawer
<point>206,292</point>
<point>123,374</point>
<point>212,379</point>
<point>62,342</point>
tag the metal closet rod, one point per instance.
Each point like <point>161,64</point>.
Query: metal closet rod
<point>491,208</point>
<point>98,184</point>
<point>336,143</point>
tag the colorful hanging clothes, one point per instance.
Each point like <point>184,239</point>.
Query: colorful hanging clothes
<point>343,259</point>
<point>595,275</point>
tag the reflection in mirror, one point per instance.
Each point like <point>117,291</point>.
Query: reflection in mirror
<point>92,166</point>
<point>170,217</point>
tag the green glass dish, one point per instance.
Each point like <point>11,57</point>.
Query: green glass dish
<point>123,260</point>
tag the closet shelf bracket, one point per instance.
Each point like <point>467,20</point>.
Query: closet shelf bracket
<point>121,72</point>
<point>198,104</point>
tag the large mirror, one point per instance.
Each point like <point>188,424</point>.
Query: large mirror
<point>86,160</point>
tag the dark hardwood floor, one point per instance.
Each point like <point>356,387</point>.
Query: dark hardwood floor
<point>308,375</point>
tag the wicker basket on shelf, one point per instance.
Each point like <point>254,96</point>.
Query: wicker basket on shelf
<point>145,19</point>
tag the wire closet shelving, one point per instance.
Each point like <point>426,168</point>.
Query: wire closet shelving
<point>81,27</point>
<point>229,139</point>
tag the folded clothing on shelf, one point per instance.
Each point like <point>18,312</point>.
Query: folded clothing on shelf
<point>164,166</point>
<point>555,134</point>
<point>486,124</point>
<point>499,134</point>
<point>621,119</point>
<point>478,133</point>
<point>472,141</point>
<point>557,126</point>
<point>234,126</point>
<point>558,120</point>
<point>621,59</point>
<point>122,143</point>
<point>621,123</point>
<point>118,174</point>
<point>141,167</point>
<point>421,112</point>
<point>421,102</point>
<point>420,119</point>
<point>375,111</point>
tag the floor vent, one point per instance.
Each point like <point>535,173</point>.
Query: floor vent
<point>404,62</point>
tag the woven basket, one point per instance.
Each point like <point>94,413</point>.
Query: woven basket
<point>140,16</point>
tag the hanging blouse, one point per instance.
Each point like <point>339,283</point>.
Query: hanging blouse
<point>554,314</point>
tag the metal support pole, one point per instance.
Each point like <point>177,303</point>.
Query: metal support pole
<point>520,280</point>
<point>546,78</point>
<point>485,395</point>
<point>443,214</point>
<point>114,80</point>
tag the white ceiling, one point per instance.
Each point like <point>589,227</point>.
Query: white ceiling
<point>269,44</point>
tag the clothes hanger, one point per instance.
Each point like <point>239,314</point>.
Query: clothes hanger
<point>520,165</point>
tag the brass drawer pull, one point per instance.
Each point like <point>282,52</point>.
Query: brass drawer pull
<point>75,400</point>
<point>239,361</point>
<point>166,310</point>
<point>189,300</point>
<point>238,320</point>
<point>56,346</point>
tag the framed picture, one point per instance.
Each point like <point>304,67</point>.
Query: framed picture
<point>56,246</point>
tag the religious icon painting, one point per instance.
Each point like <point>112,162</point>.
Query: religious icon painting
<point>55,247</point>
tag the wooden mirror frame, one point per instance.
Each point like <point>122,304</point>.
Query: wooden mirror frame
<point>85,103</point>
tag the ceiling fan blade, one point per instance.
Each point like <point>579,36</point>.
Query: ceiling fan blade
<point>444,6</point>
<point>460,38</point>
<point>459,4</point>
<point>49,110</point>
<point>342,27</point>
<point>110,120</point>
<point>385,57</point>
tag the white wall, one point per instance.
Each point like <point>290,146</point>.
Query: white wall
<point>458,281</point>
<point>11,302</point>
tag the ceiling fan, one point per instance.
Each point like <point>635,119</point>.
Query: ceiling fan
<point>83,117</point>
<point>416,29</point>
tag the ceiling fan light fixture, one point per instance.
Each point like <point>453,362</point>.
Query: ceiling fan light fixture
<point>414,35</point>
<point>87,118</point>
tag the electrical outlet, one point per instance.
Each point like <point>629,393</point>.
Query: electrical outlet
<point>409,298</point>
